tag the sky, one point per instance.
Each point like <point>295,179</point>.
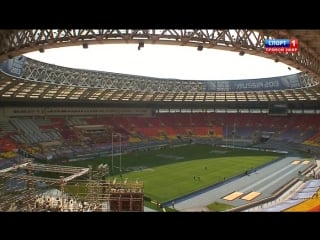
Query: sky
<point>165,61</point>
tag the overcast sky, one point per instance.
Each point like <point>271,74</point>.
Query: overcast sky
<point>165,61</point>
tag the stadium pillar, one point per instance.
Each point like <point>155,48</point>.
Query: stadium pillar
<point>112,153</point>
<point>120,136</point>
<point>120,155</point>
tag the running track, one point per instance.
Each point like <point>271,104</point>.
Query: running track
<point>264,181</point>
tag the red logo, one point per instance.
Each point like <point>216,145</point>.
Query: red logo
<point>294,45</point>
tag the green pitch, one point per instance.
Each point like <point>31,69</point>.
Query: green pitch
<point>173,172</point>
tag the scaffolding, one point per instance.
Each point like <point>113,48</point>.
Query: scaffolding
<point>33,187</point>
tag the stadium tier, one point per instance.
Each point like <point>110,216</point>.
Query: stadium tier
<point>64,135</point>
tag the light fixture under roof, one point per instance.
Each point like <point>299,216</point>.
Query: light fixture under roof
<point>141,45</point>
<point>241,53</point>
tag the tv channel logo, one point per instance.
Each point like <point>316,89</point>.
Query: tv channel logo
<point>281,45</point>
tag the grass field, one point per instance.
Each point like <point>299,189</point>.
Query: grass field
<point>173,172</point>
<point>219,207</point>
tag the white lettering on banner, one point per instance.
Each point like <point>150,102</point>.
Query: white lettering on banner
<point>15,70</point>
<point>16,67</point>
<point>257,85</point>
<point>271,84</point>
<point>223,86</point>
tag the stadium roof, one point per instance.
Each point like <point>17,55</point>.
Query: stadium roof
<point>165,61</point>
<point>23,78</point>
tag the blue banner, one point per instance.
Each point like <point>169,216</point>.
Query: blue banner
<point>262,84</point>
<point>14,66</point>
<point>277,43</point>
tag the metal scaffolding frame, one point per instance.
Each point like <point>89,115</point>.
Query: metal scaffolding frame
<point>20,191</point>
